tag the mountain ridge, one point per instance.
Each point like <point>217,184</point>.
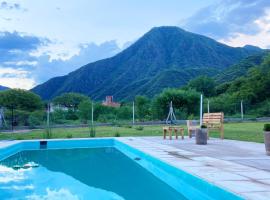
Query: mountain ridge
<point>2,88</point>
<point>159,50</point>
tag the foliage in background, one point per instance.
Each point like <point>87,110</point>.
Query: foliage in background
<point>20,99</point>
<point>184,101</point>
<point>70,100</point>
<point>142,108</point>
<point>203,84</point>
<point>85,110</point>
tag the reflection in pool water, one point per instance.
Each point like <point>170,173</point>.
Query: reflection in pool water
<point>86,173</point>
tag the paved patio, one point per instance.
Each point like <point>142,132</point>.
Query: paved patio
<point>239,167</point>
<point>246,153</point>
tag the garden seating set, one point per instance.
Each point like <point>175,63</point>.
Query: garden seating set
<point>213,121</point>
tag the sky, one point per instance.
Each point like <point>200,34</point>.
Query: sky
<point>41,39</point>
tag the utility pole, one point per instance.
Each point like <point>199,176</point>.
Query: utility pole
<point>201,110</point>
<point>12,117</point>
<point>48,115</point>
<point>242,110</point>
<point>208,106</point>
<point>133,113</point>
<point>92,115</point>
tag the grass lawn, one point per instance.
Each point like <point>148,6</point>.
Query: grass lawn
<point>236,131</point>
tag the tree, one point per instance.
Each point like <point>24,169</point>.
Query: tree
<point>20,104</point>
<point>70,100</point>
<point>20,99</point>
<point>185,102</point>
<point>85,110</point>
<point>124,112</point>
<point>142,104</point>
<point>203,84</point>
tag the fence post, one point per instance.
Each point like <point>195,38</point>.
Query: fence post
<point>201,110</point>
<point>242,110</point>
<point>208,106</point>
<point>133,113</point>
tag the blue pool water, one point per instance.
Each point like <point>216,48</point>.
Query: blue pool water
<point>96,169</point>
<point>80,173</point>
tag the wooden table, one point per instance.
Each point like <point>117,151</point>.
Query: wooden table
<point>171,129</point>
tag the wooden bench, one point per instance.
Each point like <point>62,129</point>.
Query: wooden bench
<point>171,129</point>
<point>214,121</point>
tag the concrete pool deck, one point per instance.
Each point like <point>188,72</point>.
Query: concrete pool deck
<point>239,167</point>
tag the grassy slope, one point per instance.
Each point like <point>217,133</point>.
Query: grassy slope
<point>236,131</point>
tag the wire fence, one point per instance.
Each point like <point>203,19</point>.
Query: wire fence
<point>234,111</point>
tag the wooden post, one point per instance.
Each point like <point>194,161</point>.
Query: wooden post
<point>175,132</point>
<point>170,133</point>
<point>164,132</point>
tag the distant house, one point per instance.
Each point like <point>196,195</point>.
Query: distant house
<point>109,102</point>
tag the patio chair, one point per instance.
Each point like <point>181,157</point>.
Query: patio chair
<point>191,127</point>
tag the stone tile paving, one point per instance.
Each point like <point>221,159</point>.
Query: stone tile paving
<point>240,167</point>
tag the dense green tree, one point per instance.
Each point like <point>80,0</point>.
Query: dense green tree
<point>142,107</point>
<point>124,112</point>
<point>203,84</point>
<point>85,110</point>
<point>20,99</point>
<point>70,100</point>
<point>185,102</point>
<point>104,113</point>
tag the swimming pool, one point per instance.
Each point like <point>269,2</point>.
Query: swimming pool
<point>95,169</point>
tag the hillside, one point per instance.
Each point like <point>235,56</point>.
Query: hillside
<point>240,69</point>
<point>253,88</point>
<point>163,57</point>
<point>3,88</point>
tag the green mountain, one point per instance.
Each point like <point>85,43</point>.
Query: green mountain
<point>163,57</point>
<point>241,68</point>
<point>3,88</point>
<point>253,88</point>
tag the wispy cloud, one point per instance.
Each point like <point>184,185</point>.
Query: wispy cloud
<point>5,5</point>
<point>16,78</point>
<point>229,18</point>
<point>27,60</point>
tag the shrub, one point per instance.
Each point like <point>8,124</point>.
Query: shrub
<point>48,133</point>
<point>92,130</point>
<point>36,118</point>
<point>117,134</point>
<point>191,117</point>
<point>139,128</point>
<point>71,115</point>
<point>69,135</point>
<point>116,123</point>
<point>59,116</point>
<point>127,126</point>
<point>203,126</point>
<point>266,127</point>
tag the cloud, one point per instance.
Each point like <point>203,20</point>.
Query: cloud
<point>261,38</point>
<point>10,6</point>
<point>16,78</point>
<point>48,68</point>
<point>228,18</point>
<point>17,41</point>
<point>27,60</point>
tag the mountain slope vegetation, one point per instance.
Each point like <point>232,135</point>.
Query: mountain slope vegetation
<point>3,88</point>
<point>163,57</point>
